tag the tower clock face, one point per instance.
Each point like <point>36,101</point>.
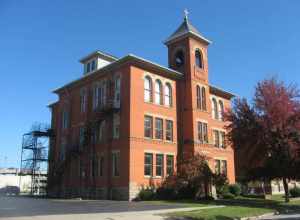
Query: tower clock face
<point>179,59</point>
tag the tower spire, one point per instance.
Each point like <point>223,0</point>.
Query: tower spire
<point>186,13</point>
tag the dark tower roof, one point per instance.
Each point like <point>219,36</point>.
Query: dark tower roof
<point>186,28</point>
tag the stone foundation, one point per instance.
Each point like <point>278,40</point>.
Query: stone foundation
<point>114,193</point>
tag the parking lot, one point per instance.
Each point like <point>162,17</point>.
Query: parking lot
<point>23,208</point>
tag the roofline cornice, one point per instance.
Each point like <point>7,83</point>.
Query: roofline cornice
<point>130,58</point>
<point>98,53</point>
<point>191,34</point>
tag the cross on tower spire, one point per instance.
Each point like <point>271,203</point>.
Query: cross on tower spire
<point>186,13</point>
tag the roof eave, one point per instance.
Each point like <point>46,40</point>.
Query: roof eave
<point>191,33</point>
<point>129,57</point>
<point>227,94</point>
<point>105,56</point>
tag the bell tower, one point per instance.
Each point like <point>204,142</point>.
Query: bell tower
<point>187,51</point>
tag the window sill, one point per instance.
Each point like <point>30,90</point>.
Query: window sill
<point>218,120</point>
<point>160,105</point>
<point>153,177</point>
<point>201,110</point>
<point>159,140</point>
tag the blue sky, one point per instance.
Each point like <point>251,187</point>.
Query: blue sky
<point>42,41</point>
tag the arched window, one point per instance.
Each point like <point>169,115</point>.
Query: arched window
<point>198,93</point>
<point>148,89</point>
<point>179,58</point>
<point>203,93</point>
<point>168,95</point>
<point>221,110</point>
<point>158,92</point>
<point>198,59</point>
<point>215,112</point>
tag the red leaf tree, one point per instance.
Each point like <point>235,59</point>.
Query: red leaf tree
<point>266,134</point>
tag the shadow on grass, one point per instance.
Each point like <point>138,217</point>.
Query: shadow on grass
<point>277,205</point>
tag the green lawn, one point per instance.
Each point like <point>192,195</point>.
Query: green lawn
<point>230,212</point>
<point>236,208</point>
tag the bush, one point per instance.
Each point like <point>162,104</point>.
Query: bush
<point>165,193</point>
<point>146,194</point>
<point>235,189</point>
<point>186,192</point>
<point>228,195</point>
<point>222,189</point>
<point>295,192</point>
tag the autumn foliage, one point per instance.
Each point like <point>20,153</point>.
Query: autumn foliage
<point>266,134</point>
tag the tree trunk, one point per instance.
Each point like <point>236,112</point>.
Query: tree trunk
<point>286,190</point>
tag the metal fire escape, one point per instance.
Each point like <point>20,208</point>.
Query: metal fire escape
<point>34,158</point>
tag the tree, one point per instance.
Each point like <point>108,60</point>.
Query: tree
<point>267,133</point>
<point>193,178</point>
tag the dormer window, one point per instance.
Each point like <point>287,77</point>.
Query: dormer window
<point>88,67</point>
<point>96,60</point>
<point>91,66</point>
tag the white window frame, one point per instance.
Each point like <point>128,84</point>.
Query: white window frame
<point>158,92</point>
<point>148,88</point>
<point>169,132</point>
<point>168,95</point>
<point>161,166</point>
<point>151,165</point>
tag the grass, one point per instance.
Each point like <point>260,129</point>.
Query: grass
<point>225,213</point>
<point>235,208</point>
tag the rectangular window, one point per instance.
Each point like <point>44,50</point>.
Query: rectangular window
<point>88,67</point>
<point>170,165</point>
<point>62,153</point>
<point>159,165</point>
<point>81,168</point>
<point>148,164</point>
<point>116,126</point>
<point>93,65</point>
<point>93,135</point>
<point>222,139</point>
<point>94,167</point>
<point>83,100</point>
<point>81,136</point>
<point>224,167</point>
<point>101,131</point>
<point>65,119</point>
<point>169,130</point>
<point>205,135</point>
<point>117,95</point>
<point>116,163</point>
<point>96,92</point>
<point>101,165</point>
<point>158,128</point>
<point>148,126</point>
<point>216,138</point>
<point>202,132</point>
<point>102,101</point>
<point>217,166</point>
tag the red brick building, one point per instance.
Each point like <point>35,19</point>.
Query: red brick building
<point>125,122</point>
